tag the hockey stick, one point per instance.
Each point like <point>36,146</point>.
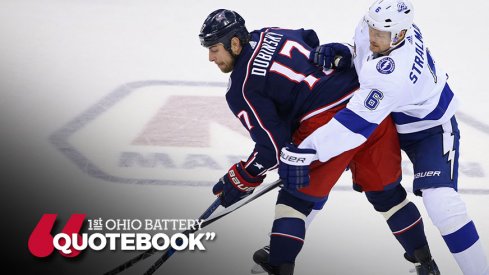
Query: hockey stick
<point>228,210</point>
<point>207,214</point>
<point>151,251</point>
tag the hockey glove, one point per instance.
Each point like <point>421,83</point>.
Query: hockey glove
<point>294,166</point>
<point>332,55</point>
<point>236,185</point>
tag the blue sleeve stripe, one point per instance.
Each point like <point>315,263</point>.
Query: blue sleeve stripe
<point>355,123</point>
<point>445,99</point>
<point>462,239</point>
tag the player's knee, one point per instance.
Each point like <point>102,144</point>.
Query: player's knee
<point>445,208</point>
<point>387,200</point>
<point>289,206</point>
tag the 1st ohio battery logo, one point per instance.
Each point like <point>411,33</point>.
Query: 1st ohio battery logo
<point>115,234</point>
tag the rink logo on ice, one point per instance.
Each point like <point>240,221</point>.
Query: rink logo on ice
<point>115,234</point>
<point>169,133</point>
<point>161,132</point>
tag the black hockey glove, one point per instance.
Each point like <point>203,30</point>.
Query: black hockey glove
<point>294,166</point>
<point>332,55</point>
<point>236,185</point>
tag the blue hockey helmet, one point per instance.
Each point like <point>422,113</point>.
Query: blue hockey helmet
<point>221,26</point>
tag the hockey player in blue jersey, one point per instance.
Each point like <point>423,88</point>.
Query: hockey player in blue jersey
<point>280,97</point>
<point>398,75</point>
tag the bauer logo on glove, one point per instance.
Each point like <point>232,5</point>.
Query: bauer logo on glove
<point>236,185</point>
<point>293,159</point>
<point>293,155</point>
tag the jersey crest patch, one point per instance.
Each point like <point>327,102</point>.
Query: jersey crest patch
<point>386,65</point>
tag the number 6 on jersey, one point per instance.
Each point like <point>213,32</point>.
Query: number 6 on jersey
<point>373,99</point>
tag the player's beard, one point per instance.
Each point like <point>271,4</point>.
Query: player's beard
<point>227,67</point>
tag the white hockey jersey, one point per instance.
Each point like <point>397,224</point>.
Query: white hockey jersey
<point>406,83</point>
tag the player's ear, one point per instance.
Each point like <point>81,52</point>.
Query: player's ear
<point>236,46</point>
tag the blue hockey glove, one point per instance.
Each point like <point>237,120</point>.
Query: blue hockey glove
<point>294,166</point>
<point>332,55</point>
<point>236,185</point>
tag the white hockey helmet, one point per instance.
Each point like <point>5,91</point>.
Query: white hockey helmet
<point>393,16</point>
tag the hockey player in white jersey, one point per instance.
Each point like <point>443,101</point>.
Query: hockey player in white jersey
<point>398,75</point>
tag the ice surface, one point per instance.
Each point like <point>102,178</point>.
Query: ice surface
<point>93,120</point>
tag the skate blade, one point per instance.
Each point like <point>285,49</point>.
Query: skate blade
<point>257,269</point>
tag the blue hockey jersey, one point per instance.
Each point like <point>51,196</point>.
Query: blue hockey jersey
<point>273,87</point>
